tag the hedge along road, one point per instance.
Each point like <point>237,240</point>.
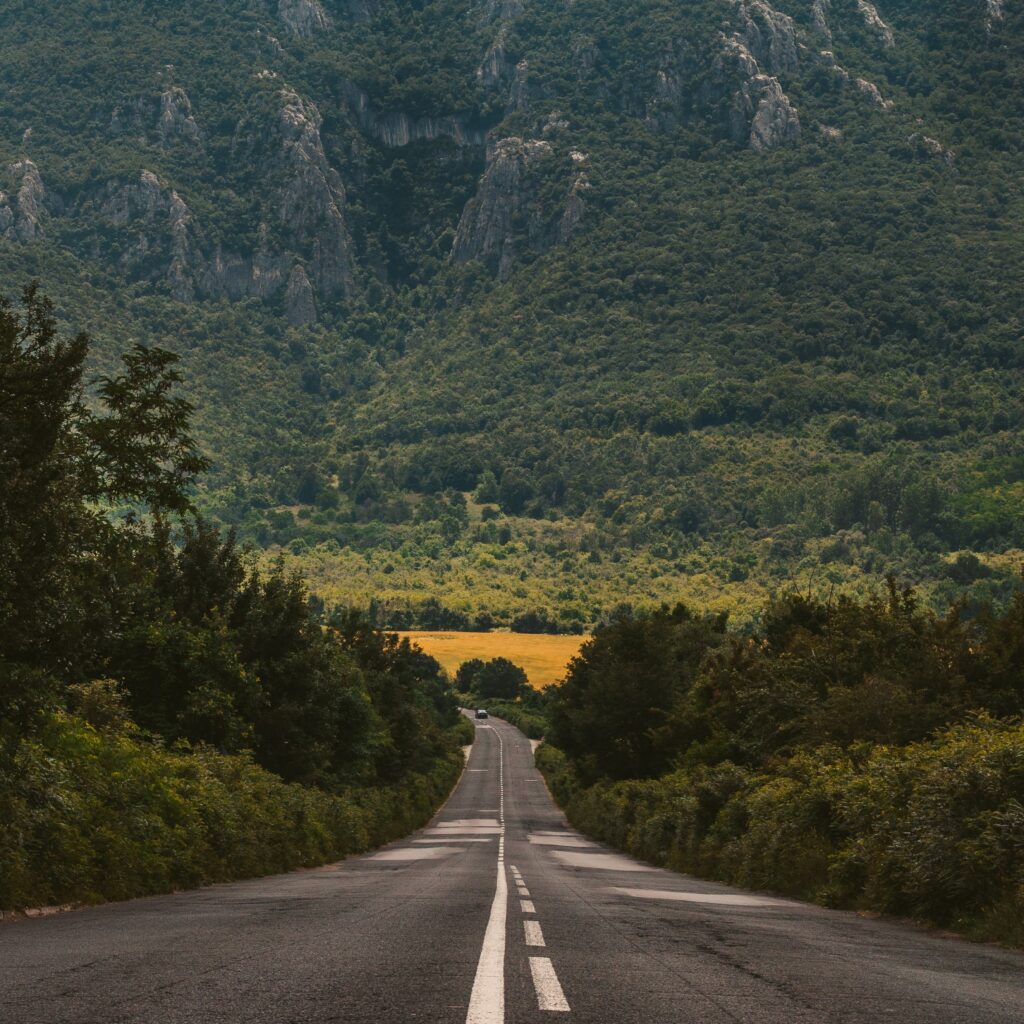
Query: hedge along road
<point>497,911</point>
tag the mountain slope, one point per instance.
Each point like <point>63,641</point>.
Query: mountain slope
<point>702,296</point>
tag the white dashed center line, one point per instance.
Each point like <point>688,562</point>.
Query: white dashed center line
<point>549,992</point>
<point>534,936</point>
<point>528,907</point>
<point>487,1001</point>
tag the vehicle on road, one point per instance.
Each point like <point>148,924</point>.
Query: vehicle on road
<point>481,713</point>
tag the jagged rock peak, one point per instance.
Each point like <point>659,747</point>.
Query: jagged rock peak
<point>299,300</point>
<point>820,10</point>
<point>498,66</point>
<point>773,119</point>
<point>166,119</point>
<point>871,92</point>
<point>311,198</point>
<point>176,120</point>
<point>874,21</point>
<point>745,60</point>
<point>995,10</point>
<point>397,128</point>
<point>486,227</point>
<point>769,35</point>
<point>303,18</point>
<point>162,227</point>
<point>22,222</point>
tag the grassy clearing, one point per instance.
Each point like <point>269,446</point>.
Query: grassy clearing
<point>544,658</point>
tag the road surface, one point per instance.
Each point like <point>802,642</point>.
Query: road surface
<point>495,912</point>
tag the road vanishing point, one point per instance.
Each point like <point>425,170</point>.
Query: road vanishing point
<point>497,911</point>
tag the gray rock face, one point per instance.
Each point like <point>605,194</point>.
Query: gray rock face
<point>310,199</point>
<point>763,114</point>
<point>874,21</point>
<point>933,148</point>
<point>299,300</point>
<point>871,92</point>
<point>820,10</point>
<point>303,18</point>
<point>397,128</point>
<point>995,10</point>
<point>769,36</point>
<point>160,241</point>
<point>303,215</point>
<point>760,114</point>
<point>166,120</point>
<point>21,217</point>
<point>498,66</point>
<point>507,208</point>
<point>176,121</point>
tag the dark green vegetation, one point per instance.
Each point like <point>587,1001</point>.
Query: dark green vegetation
<point>501,687</point>
<point>666,348</point>
<point>864,754</point>
<point>171,714</point>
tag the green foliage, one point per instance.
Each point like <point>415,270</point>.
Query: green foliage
<point>848,752</point>
<point>91,813</point>
<point>497,679</point>
<point>930,830</point>
<point>748,364</point>
<point>203,685</point>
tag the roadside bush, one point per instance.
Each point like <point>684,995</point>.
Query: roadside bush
<point>90,814</point>
<point>932,830</point>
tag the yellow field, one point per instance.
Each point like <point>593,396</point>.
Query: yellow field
<point>544,658</point>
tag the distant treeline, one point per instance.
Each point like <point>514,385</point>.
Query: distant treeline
<point>857,753</point>
<point>169,713</point>
<point>431,614</point>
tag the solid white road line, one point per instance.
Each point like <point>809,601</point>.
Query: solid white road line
<point>487,1001</point>
<point>549,992</point>
<point>527,906</point>
<point>534,936</point>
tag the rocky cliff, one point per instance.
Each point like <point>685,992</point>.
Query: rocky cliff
<point>508,213</point>
<point>313,163</point>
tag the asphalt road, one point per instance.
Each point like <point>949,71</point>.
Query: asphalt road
<point>495,912</point>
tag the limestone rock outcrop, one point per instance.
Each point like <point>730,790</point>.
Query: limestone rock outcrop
<point>396,128</point>
<point>874,21</point>
<point>769,36</point>
<point>507,210</point>
<point>166,119</point>
<point>158,240</point>
<point>498,66</point>
<point>763,114</point>
<point>310,197</point>
<point>760,114</point>
<point>22,214</point>
<point>299,300</point>
<point>820,11</point>
<point>303,18</point>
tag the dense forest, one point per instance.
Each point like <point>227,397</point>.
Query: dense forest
<point>543,308</point>
<point>172,713</point>
<point>860,753</point>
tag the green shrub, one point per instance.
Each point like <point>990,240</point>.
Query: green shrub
<point>90,814</point>
<point>932,830</point>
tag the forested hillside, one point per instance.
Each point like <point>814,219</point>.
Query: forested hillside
<point>170,713</point>
<point>543,307</point>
